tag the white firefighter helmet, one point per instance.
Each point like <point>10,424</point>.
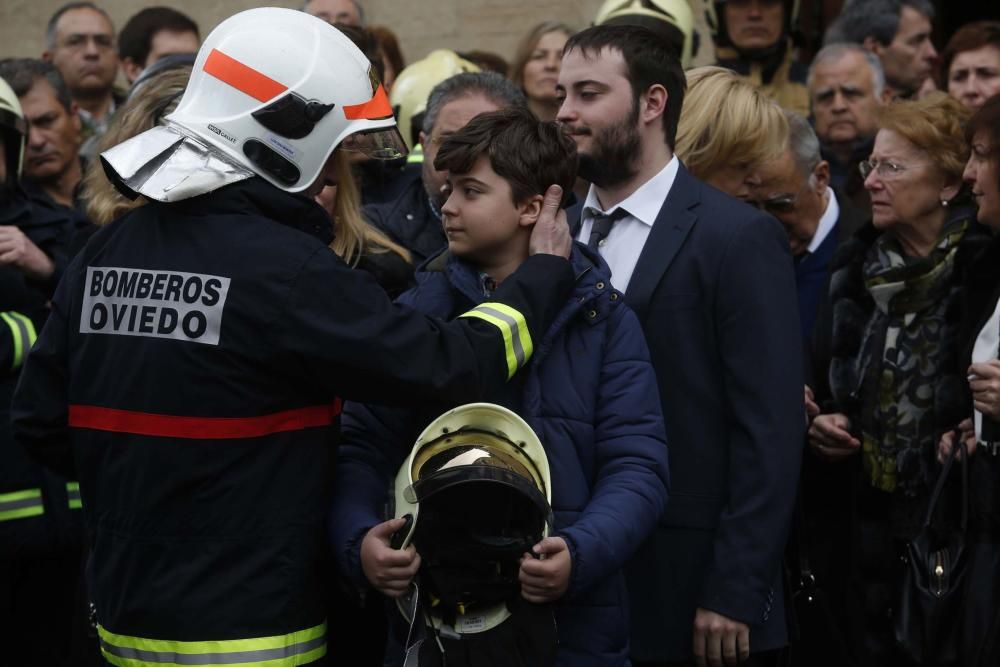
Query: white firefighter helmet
<point>477,491</point>
<point>671,18</point>
<point>14,131</point>
<point>414,84</point>
<point>273,93</point>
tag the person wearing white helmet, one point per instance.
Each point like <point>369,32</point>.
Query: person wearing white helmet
<point>192,367</point>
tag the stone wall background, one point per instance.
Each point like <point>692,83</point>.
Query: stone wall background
<point>421,25</point>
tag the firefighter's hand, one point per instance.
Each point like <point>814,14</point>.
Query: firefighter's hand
<point>18,251</point>
<point>719,640</point>
<point>389,570</point>
<point>546,578</point>
<point>551,233</point>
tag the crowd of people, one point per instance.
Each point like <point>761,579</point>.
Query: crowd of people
<point>658,343</point>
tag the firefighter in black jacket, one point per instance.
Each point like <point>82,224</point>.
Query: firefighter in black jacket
<point>192,367</point>
<point>40,526</point>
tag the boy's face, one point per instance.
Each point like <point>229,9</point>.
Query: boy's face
<point>480,218</point>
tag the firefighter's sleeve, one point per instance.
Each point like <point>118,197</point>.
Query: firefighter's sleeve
<point>17,335</point>
<point>345,333</point>
<point>39,407</point>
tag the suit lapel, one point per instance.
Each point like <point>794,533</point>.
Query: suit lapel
<point>672,226</point>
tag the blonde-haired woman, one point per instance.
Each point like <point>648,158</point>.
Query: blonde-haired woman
<point>727,129</point>
<point>355,241</point>
<point>358,243</point>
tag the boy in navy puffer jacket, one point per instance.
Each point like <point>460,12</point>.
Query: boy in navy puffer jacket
<point>589,393</point>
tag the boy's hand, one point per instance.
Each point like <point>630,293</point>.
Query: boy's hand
<point>546,579</point>
<point>551,233</point>
<point>389,570</point>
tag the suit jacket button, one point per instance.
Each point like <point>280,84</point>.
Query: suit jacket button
<point>614,296</point>
<point>599,285</point>
<point>592,314</point>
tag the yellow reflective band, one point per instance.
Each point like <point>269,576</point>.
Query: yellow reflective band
<point>73,493</point>
<point>513,328</point>
<point>416,156</point>
<point>296,648</point>
<point>17,336</point>
<point>29,326</point>
<point>21,504</point>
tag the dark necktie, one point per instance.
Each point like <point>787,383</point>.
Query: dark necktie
<point>602,225</point>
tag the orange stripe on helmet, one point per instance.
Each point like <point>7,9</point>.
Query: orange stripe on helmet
<point>242,78</point>
<point>377,108</point>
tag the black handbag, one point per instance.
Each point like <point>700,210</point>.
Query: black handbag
<point>928,616</point>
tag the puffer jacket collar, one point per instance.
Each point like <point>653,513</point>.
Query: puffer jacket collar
<point>592,294</point>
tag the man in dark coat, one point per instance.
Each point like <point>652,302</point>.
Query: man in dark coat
<point>712,283</point>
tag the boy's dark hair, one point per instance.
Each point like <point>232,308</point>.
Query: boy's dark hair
<point>648,61</point>
<point>527,153</point>
<point>135,40</point>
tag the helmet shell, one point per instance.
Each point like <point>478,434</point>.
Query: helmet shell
<point>414,85</point>
<point>277,90</point>
<point>512,441</point>
<point>672,15</point>
<point>14,131</point>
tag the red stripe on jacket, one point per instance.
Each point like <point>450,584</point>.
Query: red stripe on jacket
<point>203,428</point>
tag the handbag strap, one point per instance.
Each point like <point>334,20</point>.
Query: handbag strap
<point>943,477</point>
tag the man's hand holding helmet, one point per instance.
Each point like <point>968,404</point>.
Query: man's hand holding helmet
<point>389,570</point>
<point>545,575</point>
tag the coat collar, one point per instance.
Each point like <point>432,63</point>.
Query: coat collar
<point>255,196</point>
<point>672,226</point>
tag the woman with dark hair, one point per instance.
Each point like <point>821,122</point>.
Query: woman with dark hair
<point>970,63</point>
<point>890,336</point>
<point>535,68</point>
<point>978,343</point>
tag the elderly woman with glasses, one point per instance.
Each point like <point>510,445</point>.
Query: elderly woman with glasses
<point>888,345</point>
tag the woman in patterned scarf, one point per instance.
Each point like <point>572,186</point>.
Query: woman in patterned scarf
<point>895,291</point>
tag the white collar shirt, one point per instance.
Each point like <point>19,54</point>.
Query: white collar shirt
<point>826,223</point>
<point>628,235</point>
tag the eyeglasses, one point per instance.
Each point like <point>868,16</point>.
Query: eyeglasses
<point>777,205</point>
<point>884,168</point>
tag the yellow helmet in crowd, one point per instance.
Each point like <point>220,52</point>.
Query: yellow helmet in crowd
<point>477,493</point>
<point>14,131</point>
<point>414,85</point>
<point>671,18</point>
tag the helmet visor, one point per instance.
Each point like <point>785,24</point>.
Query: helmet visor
<point>382,144</point>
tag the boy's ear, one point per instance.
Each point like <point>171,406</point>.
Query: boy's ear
<point>530,210</point>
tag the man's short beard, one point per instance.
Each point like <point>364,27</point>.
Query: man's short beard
<point>614,152</point>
